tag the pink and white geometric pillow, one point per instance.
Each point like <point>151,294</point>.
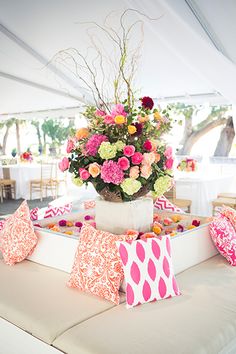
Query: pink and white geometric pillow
<point>230,214</point>
<point>223,235</point>
<point>17,238</point>
<point>163,203</point>
<point>148,270</point>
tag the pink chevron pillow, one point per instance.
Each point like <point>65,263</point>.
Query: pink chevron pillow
<point>163,203</point>
<point>224,237</point>
<point>17,238</point>
<point>148,270</point>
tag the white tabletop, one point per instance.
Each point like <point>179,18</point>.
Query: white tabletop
<point>202,190</point>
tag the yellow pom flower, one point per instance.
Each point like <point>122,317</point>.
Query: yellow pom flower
<point>120,119</point>
<point>157,116</point>
<point>132,129</point>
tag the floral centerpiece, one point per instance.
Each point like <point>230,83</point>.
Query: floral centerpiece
<point>26,156</point>
<point>187,165</point>
<point>121,153</point>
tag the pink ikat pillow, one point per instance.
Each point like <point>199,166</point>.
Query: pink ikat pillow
<point>148,270</point>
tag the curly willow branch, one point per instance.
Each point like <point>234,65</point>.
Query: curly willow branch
<point>91,71</point>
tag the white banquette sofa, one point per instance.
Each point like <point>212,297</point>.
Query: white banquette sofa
<point>41,315</point>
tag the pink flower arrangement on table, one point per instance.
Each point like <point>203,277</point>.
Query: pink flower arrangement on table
<point>187,165</point>
<point>26,156</point>
<point>121,151</point>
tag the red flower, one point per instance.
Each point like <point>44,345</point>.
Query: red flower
<point>139,128</point>
<point>147,145</point>
<point>147,102</point>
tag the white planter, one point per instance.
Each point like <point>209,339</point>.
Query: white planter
<point>119,217</point>
<point>57,250</point>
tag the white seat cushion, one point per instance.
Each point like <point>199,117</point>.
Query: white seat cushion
<point>201,321</point>
<point>36,299</point>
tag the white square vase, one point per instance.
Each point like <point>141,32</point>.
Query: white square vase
<point>119,217</point>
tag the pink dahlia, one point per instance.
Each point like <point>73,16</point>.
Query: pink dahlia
<point>123,163</point>
<point>129,150</point>
<point>112,173</point>
<point>147,145</point>
<point>93,144</point>
<point>64,164</point>
<point>137,158</point>
<point>70,145</point>
<point>118,110</point>
<point>100,113</point>
<point>84,174</point>
<point>169,163</point>
<point>108,119</point>
<point>168,153</point>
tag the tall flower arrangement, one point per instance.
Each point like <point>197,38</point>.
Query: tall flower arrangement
<point>121,152</point>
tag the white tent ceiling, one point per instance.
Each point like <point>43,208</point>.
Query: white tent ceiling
<point>189,51</point>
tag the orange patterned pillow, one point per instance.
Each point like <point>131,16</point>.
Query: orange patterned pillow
<point>17,238</point>
<point>97,266</point>
<point>230,214</point>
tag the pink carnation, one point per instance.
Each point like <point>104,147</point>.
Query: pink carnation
<point>108,119</point>
<point>124,163</point>
<point>118,110</point>
<point>64,164</point>
<point>112,173</point>
<point>100,113</point>
<point>147,145</point>
<point>70,145</point>
<point>168,152</point>
<point>93,144</point>
<point>169,163</point>
<point>84,174</point>
<point>129,150</point>
<point>137,158</point>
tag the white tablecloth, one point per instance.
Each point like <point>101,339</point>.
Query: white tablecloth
<point>202,190</point>
<point>22,174</point>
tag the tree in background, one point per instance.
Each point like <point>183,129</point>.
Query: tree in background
<point>5,124</point>
<point>192,133</point>
<point>36,124</point>
<point>226,139</point>
<point>56,131</point>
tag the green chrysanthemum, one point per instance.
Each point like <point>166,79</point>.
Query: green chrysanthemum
<point>130,186</point>
<point>77,181</point>
<point>162,185</point>
<point>107,150</point>
<point>119,145</point>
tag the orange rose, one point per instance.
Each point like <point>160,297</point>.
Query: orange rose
<point>94,169</point>
<point>82,133</point>
<point>157,157</point>
<point>143,119</point>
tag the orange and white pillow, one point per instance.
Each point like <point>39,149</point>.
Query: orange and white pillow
<point>97,265</point>
<point>17,238</point>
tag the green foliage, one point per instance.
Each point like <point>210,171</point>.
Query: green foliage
<point>56,131</point>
